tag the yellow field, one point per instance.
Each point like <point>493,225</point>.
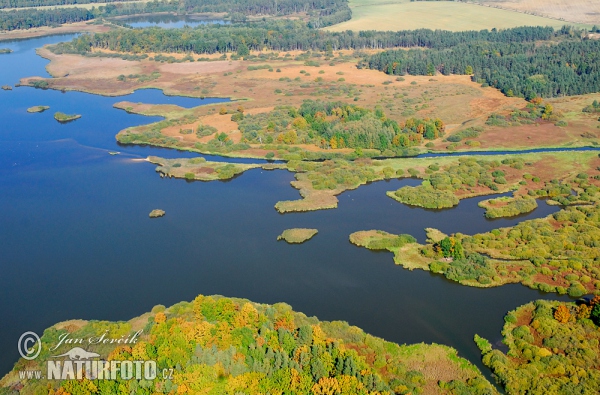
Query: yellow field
<point>446,15</point>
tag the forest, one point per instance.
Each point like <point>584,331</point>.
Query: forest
<point>333,125</point>
<point>321,13</point>
<point>568,67</point>
<point>38,3</point>
<point>217,345</point>
<point>288,35</point>
<point>552,349</point>
<point>26,19</point>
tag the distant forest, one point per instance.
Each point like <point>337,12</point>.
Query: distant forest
<point>41,3</point>
<point>321,12</point>
<point>285,35</point>
<point>517,68</point>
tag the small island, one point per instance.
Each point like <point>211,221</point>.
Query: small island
<point>64,118</point>
<point>297,235</point>
<point>37,109</point>
<point>7,87</point>
<point>506,206</point>
<point>5,50</point>
<point>157,213</point>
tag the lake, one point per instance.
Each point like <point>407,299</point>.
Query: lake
<point>169,21</point>
<point>77,241</point>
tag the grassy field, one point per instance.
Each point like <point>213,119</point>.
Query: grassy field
<point>582,11</point>
<point>446,15</point>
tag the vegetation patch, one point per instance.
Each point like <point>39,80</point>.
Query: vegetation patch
<point>337,125</point>
<point>507,206</point>
<point>425,196</point>
<point>297,235</point>
<point>157,213</point>
<point>201,169</point>
<point>551,344</point>
<point>226,346</point>
<point>64,118</point>
<point>38,109</point>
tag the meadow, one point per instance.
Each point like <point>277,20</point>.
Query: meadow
<point>446,15</point>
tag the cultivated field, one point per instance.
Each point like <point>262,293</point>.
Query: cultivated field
<point>582,11</point>
<point>445,15</point>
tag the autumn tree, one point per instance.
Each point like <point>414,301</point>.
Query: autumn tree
<point>562,314</point>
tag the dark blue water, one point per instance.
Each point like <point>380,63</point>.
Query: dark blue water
<point>77,241</point>
<point>169,21</point>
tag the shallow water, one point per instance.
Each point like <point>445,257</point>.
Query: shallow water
<point>77,241</point>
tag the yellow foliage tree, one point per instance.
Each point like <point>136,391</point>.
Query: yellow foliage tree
<point>333,142</point>
<point>562,314</point>
<point>584,311</point>
<point>326,386</point>
<point>159,318</point>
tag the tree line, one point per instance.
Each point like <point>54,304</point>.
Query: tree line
<point>26,19</point>
<point>321,12</point>
<point>40,3</point>
<point>286,35</point>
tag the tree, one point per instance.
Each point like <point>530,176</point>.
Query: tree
<point>595,315</point>
<point>469,70</point>
<point>243,49</point>
<point>562,314</point>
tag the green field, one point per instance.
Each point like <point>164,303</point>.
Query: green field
<point>445,15</point>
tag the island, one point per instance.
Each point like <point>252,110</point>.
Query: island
<point>297,235</point>
<point>508,206</point>
<point>7,87</point>
<point>37,109</point>
<point>226,345</point>
<point>65,118</point>
<point>157,213</point>
<point>5,50</point>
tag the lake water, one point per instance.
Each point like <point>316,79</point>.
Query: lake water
<point>169,21</point>
<point>77,241</point>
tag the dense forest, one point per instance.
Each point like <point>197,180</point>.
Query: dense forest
<point>217,345</point>
<point>334,125</point>
<point>552,349</point>
<point>569,67</point>
<point>289,36</point>
<point>26,19</point>
<point>321,12</point>
<point>43,3</point>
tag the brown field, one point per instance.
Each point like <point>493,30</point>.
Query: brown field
<point>456,100</point>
